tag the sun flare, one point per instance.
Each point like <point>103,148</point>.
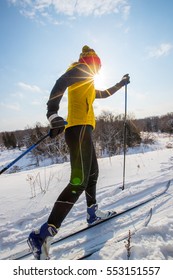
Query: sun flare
<point>99,80</point>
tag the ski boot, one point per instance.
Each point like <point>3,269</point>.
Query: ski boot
<point>39,241</point>
<point>94,215</point>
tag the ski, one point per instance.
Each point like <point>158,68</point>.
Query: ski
<point>84,255</point>
<point>25,253</point>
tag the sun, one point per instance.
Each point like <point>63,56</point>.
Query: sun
<point>99,80</point>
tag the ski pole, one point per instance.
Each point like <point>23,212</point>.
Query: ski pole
<point>125,138</point>
<point>24,153</point>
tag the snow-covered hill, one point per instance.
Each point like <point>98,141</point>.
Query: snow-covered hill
<point>26,199</point>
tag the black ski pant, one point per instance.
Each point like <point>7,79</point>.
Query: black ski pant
<point>84,173</point>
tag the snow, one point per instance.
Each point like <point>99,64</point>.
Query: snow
<point>27,198</point>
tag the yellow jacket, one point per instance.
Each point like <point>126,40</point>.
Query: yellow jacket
<point>81,96</point>
<point>79,79</point>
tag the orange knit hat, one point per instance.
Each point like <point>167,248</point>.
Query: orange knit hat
<point>89,56</point>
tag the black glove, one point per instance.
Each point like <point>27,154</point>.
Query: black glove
<point>125,80</point>
<point>57,125</point>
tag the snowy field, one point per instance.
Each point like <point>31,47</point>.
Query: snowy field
<point>26,199</point>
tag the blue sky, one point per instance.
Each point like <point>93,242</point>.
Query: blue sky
<point>41,38</point>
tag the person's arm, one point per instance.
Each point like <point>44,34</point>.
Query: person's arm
<point>74,75</point>
<point>110,91</point>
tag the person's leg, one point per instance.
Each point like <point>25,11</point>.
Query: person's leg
<point>94,214</point>
<point>79,141</point>
<point>90,190</point>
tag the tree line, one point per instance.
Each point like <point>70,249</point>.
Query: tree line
<point>108,136</point>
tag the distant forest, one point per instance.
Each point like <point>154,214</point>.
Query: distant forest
<point>108,136</point>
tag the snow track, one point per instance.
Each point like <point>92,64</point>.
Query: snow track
<point>146,173</point>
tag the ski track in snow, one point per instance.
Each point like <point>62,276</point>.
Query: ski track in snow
<point>147,171</point>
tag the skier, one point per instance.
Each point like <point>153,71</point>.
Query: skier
<point>79,79</point>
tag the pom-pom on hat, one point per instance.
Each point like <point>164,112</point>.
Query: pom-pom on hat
<point>89,56</point>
